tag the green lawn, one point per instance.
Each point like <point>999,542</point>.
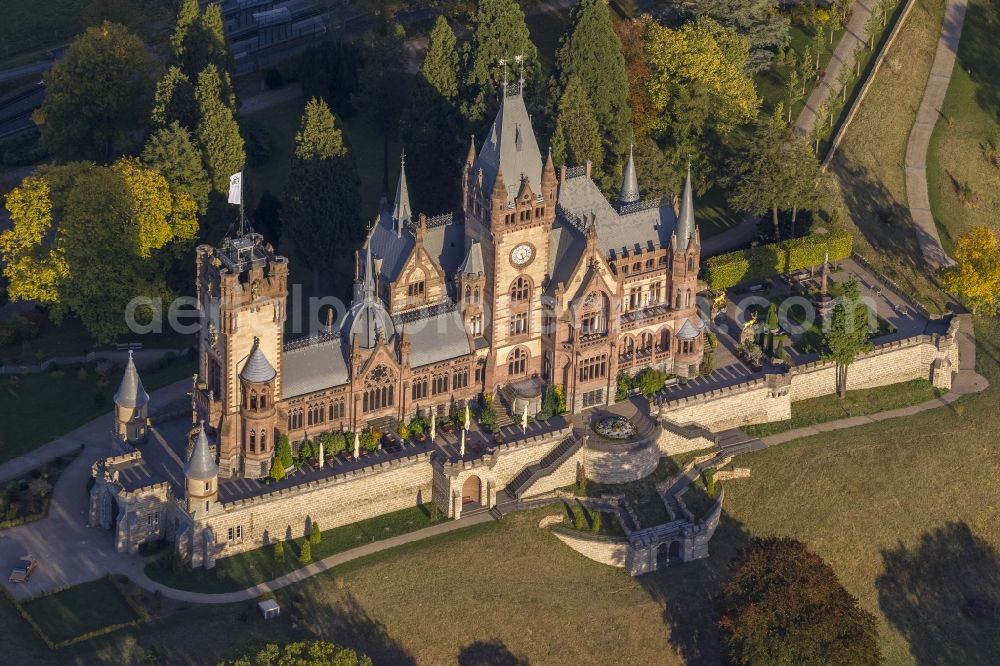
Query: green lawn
<point>80,609</point>
<point>869,169</point>
<point>35,409</point>
<point>260,565</point>
<point>857,403</point>
<point>772,83</point>
<point>697,500</point>
<point>963,164</point>
<point>610,525</point>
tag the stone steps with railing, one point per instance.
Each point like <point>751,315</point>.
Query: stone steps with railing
<point>548,464</point>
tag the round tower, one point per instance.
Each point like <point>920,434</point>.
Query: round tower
<point>201,477</point>
<point>131,406</point>
<point>257,413</point>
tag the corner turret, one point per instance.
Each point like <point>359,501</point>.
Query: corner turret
<point>131,406</point>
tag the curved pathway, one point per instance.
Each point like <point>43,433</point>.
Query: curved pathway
<point>843,56</point>
<point>920,136</point>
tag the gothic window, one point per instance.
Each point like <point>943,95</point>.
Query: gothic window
<point>253,441</point>
<point>625,269</point>
<point>636,267</point>
<point>647,340</point>
<point>654,293</point>
<point>664,340</point>
<point>628,347</point>
<point>519,323</point>
<point>480,372</point>
<point>635,298</point>
<point>263,400</point>
<point>379,389</point>
<point>475,296</point>
<point>663,261</point>
<point>690,263</point>
<point>468,294</point>
<point>253,399</point>
<point>263,441</point>
<point>419,390</point>
<point>460,379</point>
<point>687,298</point>
<point>517,362</point>
<point>520,291</point>
<point>476,325</point>
<point>336,409</point>
<point>415,289</point>
<point>439,384</point>
<point>677,300</point>
<point>649,264</point>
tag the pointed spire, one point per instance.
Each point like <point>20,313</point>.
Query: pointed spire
<point>548,172</point>
<point>131,393</point>
<point>470,158</point>
<point>629,192</point>
<point>401,213</point>
<point>201,465</point>
<point>473,264</point>
<point>369,279</point>
<point>685,221</point>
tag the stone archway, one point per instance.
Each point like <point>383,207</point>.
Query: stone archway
<point>472,490</point>
<point>662,555</point>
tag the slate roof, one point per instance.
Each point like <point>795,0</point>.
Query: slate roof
<point>446,245</point>
<point>629,192</point>
<point>473,264</point>
<point>313,366</point>
<point>201,465</point>
<point>367,318</point>
<point>393,250</point>
<point>131,392</point>
<point>566,246</point>
<point>257,368</point>
<point>690,331</point>
<point>685,225</point>
<point>401,212</point>
<point>437,337</point>
<point>618,233</point>
<point>510,147</point>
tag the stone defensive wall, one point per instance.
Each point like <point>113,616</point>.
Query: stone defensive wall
<point>613,551</point>
<point>620,462</point>
<point>933,357</point>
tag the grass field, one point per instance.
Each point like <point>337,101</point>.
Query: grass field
<point>256,566</point>
<point>963,164</point>
<point>772,83</point>
<point>856,403</point>
<point>869,166</point>
<point>35,409</point>
<point>80,609</point>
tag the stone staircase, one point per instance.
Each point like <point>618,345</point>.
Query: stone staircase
<point>548,464</point>
<point>503,405</point>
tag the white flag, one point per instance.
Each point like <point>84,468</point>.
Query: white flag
<point>236,188</point>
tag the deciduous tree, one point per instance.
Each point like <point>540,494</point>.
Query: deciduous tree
<point>758,21</point>
<point>97,93</point>
<point>33,268</point>
<point>784,605</point>
<point>846,336</point>
<point>591,52</point>
<point>632,36</point>
<point>976,274</point>
<point>305,653</point>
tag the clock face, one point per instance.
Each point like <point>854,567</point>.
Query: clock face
<point>522,254</point>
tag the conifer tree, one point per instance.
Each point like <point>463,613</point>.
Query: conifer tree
<point>170,151</point>
<point>577,137</point>
<point>279,549</point>
<point>187,14</point>
<point>499,32</point>
<point>592,52</point>
<point>758,21</point>
<point>206,42</point>
<point>217,132</point>
<point>440,68</point>
<point>277,471</point>
<point>173,100</point>
<point>315,536</point>
<point>305,554</point>
<point>322,210</point>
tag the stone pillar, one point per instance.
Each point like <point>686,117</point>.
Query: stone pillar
<point>456,504</point>
<point>491,494</point>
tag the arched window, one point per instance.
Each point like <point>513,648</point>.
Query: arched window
<point>677,300</point>
<point>263,400</point>
<point>253,399</point>
<point>649,264</point>
<point>687,298</point>
<point>636,267</point>
<point>475,297</point>
<point>520,291</point>
<point>690,263</point>
<point>468,294</point>
<point>263,441</point>
<point>665,340</point>
<point>647,340</point>
<point>253,441</point>
<point>628,347</point>
<point>517,362</point>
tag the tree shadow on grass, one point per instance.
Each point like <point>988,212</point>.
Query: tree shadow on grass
<point>943,595</point>
<point>347,623</point>
<point>688,593</point>
<point>489,653</point>
<point>977,55</point>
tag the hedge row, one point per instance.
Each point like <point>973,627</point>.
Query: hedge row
<point>727,270</point>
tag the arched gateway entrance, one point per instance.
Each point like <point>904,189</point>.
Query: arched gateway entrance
<point>472,490</point>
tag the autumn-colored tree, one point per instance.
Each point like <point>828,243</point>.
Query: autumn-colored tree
<point>34,270</point>
<point>632,35</point>
<point>96,94</point>
<point>784,605</point>
<point>975,277</point>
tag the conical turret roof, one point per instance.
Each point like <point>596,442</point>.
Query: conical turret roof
<point>473,264</point>
<point>257,368</point>
<point>201,465</point>
<point>629,192</point>
<point>685,221</point>
<point>131,392</point>
<point>401,212</point>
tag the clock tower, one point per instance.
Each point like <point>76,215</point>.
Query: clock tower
<point>510,200</point>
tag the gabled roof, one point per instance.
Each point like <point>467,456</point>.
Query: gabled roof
<point>510,147</point>
<point>131,392</point>
<point>201,465</point>
<point>257,368</point>
<point>438,336</point>
<point>313,365</point>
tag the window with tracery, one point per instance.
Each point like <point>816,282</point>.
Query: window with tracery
<point>517,362</point>
<point>520,291</point>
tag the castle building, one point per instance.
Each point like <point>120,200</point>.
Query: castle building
<point>537,280</point>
